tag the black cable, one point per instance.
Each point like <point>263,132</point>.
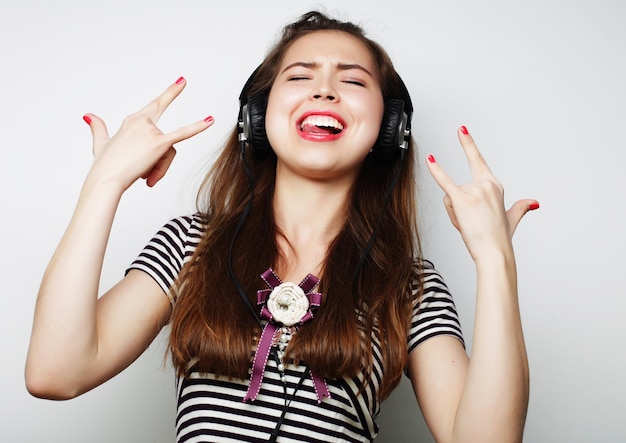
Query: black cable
<point>242,220</point>
<point>279,423</point>
<point>242,293</point>
<point>370,242</point>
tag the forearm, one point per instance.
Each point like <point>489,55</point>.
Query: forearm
<point>64,335</point>
<point>495,396</point>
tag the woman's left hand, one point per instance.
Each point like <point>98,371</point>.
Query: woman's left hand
<point>477,209</point>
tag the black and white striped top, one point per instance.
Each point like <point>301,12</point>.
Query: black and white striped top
<point>210,408</point>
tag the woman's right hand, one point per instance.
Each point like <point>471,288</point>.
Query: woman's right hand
<point>79,340</point>
<point>139,148</point>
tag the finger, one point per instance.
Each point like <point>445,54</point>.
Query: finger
<point>157,107</point>
<point>160,168</point>
<point>478,166</point>
<point>443,180</point>
<point>188,131</point>
<point>518,211</point>
<point>98,128</point>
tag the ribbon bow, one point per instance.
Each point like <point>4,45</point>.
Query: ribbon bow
<point>283,304</point>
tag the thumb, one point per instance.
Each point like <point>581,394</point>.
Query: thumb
<point>98,128</point>
<point>518,210</point>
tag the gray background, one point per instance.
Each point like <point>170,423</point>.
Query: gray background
<point>540,84</point>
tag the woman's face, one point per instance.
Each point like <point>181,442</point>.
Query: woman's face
<point>325,106</point>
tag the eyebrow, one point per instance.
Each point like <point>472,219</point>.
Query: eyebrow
<point>340,66</point>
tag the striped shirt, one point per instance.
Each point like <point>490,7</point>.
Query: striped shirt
<point>210,408</point>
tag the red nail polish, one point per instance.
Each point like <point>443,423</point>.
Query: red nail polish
<point>180,80</point>
<point>431,158</point>
<point>87,119</point>
<point>464,130</point>
<point>209,119</point>
<point>533,206</point>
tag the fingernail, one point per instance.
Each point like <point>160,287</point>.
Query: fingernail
<point>180,80</point>
<point>464,130</point>
<point>87,119</point>
<point>431,158</point>
<point>533,206</point>
<point>209,119</point>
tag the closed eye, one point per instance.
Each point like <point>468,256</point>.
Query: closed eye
<point>296,78</point>
<point>354,82</point>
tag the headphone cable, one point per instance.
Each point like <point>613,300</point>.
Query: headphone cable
<point>242,293</point>
<point>242,220</point>
<point>370,242</point>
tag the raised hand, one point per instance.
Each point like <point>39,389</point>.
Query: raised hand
<point>477,209</point>
<point>494,381</point>
<point>139,148</point>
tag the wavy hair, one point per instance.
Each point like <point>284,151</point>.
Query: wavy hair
<point>211,325</point>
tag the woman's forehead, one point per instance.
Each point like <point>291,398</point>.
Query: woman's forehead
<point>336,47</point>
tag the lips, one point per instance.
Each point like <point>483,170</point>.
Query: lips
<point>320,126</point>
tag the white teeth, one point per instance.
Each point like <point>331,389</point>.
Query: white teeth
<point>322,120</point>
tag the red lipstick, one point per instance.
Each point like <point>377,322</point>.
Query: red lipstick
<point>320,126</point>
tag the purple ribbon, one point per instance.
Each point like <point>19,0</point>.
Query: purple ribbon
<point>269,331</point>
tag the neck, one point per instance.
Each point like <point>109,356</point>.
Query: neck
<point>309,214</point>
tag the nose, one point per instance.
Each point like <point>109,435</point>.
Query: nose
<point>324,90</point>
<point>326,96</point>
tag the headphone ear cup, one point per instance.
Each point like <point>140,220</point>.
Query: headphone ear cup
<point>388,145</point>
<point>256,107</point>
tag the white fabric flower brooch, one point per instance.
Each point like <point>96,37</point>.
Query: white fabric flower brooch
<point>285,306</point>
<point>288,304</point>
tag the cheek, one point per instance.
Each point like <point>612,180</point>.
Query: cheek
<point>372,117</point>
<point>276,118</point>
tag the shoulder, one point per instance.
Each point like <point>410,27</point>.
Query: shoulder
<point>434,310</point>
<point>191,225</point>
<point>428,279</point>
<point>183,232</point>
<point>171,248</point>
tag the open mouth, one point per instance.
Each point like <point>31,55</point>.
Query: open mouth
<point>321,125</point>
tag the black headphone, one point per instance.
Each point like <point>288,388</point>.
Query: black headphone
<point>393,137</point>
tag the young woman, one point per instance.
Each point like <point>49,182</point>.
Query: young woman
<point>297,294</point>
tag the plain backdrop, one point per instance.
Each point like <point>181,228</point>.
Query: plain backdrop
<point>539,83</point>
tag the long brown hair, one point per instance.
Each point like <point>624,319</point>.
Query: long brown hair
<point>211,325</point>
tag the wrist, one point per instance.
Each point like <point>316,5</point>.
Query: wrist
<point>102,182</point>
<point>495,258</point>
